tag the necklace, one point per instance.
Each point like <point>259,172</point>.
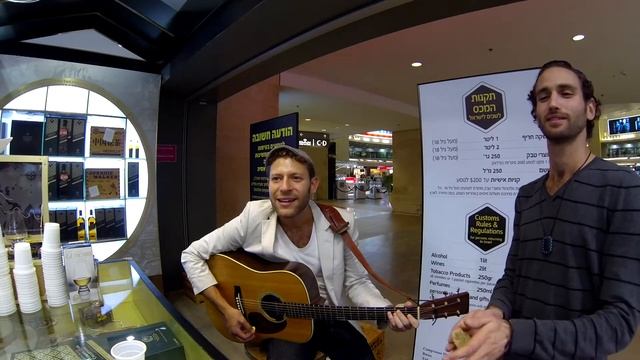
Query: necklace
<point>547,241</point>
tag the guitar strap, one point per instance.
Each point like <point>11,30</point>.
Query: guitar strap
<point>340,226</point>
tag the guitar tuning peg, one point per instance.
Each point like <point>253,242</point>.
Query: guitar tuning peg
<point>458,312</point>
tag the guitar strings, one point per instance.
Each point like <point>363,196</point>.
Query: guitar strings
<point>309,309</point>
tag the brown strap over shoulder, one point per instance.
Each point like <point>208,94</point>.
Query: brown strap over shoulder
<point>340,226</point>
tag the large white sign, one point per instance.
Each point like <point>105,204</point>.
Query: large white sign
<point>480,144</point>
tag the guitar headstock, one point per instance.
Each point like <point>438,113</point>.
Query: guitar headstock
<point>452,305</point>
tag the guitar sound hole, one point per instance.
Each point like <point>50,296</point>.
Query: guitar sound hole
<point>271,306</point>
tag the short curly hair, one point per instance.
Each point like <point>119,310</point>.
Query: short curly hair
<point>588,91</point>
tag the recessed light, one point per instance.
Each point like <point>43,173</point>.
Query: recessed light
<point>324,130</point>
<point>416,64</point>
<point>307,119</point>
<point>577,37</point>
<point>347,125</point>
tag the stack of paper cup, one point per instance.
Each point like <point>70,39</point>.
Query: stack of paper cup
<point>54,276</point>
<point>24,275</point>
<point>7,301</point>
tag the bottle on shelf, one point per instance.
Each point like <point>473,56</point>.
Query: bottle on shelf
<point>130,149</point>
<point>93,235</point>
<point>64,180</point>
<point>82,232</point>
<point>137,150</point>
<point>63,138</point>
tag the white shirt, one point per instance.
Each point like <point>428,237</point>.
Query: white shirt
<point>284,248</point>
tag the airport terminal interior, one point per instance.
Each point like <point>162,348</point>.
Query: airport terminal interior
<point>391,244</point>
<point>183,81</point>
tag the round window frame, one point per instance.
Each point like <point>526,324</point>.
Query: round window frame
<point>130,240</point>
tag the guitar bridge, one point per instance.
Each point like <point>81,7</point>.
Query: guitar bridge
<point>238,298</point>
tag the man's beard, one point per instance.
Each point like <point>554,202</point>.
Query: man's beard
<point>568,135</point>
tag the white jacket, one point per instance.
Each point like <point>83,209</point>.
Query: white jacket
<point>254,230</point>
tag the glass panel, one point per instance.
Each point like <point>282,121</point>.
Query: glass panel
<point>68,99</point>
<point>106,121</point>
<point>63,100</point>
<point>102,250</point>
<point>59,205</point>
<point>90,329</point>
<point>153,311</point>
<point>134,213</point>
<point>32,100</point>
<point>106,163</point>
<point>137,177</point>
<point>10,115</point>
<point>99,105</point>
<point>134,144</point>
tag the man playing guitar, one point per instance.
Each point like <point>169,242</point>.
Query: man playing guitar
<point>290,226</point>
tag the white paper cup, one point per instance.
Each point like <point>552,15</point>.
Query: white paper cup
<point>129,350</point>
<point>4,259</point>
<point>24,273</point>
<point>22,255</point>
<point>51,236</point>
<point>8,303</point>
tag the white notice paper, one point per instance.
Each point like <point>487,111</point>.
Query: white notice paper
<point>480,144</point>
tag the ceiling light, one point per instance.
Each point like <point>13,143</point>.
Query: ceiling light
<point>324,130</point>
<point>23,1</point>
<point>347,125</point>
<point>307,119</point>
<point>416,64</point>
<point>578,37</point>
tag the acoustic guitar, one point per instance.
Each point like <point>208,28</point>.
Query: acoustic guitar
<point>281,299</point>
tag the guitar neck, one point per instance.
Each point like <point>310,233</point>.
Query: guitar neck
<point>328,312</point>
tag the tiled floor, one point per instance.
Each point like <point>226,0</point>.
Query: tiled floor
<point>391,243</point>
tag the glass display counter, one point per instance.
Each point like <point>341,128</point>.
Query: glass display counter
<point>130,306</point>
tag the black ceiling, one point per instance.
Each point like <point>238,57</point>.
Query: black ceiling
<point>208,49</point>
<point>173,37</point>
<point>152,30</point>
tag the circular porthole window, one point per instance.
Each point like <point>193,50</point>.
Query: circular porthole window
<point>95,181</point>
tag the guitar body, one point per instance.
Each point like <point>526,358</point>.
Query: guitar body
<point>250,284</point>
<point>281,298</point>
